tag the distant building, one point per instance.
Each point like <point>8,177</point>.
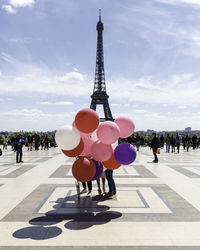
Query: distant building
<point>188,129</point>
<point>150,131</point>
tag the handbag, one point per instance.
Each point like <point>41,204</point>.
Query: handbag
<point>158,151</point>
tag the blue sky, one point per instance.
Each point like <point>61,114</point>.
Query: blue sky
<point>48,52</point>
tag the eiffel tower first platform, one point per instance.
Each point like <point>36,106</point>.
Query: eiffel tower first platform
<point>99,96</point>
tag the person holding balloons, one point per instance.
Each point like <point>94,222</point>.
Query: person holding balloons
<point>96,151</point>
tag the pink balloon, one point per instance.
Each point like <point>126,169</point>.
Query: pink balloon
<point>108,132</point>
<point>81,133</point>
<point>87,146</point>
<point>100,151</point>
<point>126,126</point>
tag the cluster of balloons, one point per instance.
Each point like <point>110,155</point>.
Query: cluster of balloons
<point>97,144</point>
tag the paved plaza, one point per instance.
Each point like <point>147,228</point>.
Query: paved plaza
<point>157,205</point>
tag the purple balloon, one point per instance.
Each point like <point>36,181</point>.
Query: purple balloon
<point>125,153</point>
<point>99,170</point>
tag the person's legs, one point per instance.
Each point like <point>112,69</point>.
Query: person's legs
<point>103,178</point>
<point>155,157</point>
<point>20,155</point>
<point>178,147</point>
<point>84,188</point>
<point>111,182</point>
<point>89,184</point>
<point>17,156</point>
<point>99,187</point>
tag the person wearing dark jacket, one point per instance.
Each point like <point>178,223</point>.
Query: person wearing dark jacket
<point>155,144</point>
<point>18,148</point>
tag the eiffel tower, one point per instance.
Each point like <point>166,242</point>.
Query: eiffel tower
<point>99,96</point>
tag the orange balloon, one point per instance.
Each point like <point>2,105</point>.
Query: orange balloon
<point>111,163</point>
<point>76,151</point>
<point>83,169</point>
<point>87,120</point>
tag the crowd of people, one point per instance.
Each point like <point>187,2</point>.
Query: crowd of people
<point>32,141</point>
<point>169,142</point>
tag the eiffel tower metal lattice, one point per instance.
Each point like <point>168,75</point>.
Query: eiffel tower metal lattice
<point>99,96</point>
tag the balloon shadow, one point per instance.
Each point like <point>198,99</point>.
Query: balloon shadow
<point>80,214</point>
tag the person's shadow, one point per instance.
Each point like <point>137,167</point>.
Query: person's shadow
<point>79,214</point>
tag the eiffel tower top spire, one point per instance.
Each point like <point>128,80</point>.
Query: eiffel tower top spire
<point>99,15</point>
<point>99,82</point>
<point>99,95</point>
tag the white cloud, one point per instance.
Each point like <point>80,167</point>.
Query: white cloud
<point>115,104</point>
<point>64,103</point>
<point>181,107</point>
<point>178,2</point>
<point>34,119</point>
<point>9,9</point>
<point>22,3</point>
<point>42,80</point>
<point>56,103</point>
<point>44,103</point>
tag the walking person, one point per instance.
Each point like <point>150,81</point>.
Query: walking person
<point>178,141</point>
<point>155,144</point>
<point>137,141</point>
<point>173,143</point>
<point>167,140</point>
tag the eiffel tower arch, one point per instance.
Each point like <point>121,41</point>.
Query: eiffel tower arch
<point>99,96</point>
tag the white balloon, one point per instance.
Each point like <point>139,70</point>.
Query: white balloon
<point>67,137</point>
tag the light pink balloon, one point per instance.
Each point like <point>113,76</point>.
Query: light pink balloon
<point>126,126</point>
<point>108,132</point>
<point>100,151</point>
<point>87,146</point>
<point>81,133</point>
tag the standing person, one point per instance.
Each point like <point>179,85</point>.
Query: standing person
<point>5,142</point>
<point>194,141</point>
<point>18,148</point>
<point>37,141</point>
<point>103,178</point>
<point>178,141</point>
<point>173,143</point>
<point>184,142</point>
<point>89,185</point>
<point>137,141</point>
<point>167,140</point>
<point>162,140</point>
<point>155,144</point>
<point>111,182</point>
<point>30,142</point>
<point>46,142</point>
<point>187,140</point>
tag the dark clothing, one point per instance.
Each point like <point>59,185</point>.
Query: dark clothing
<point>19,155</point>
<point>155,143</point>
<point>89,184</point>
<point>18,148</point>
<point>111,182</point>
